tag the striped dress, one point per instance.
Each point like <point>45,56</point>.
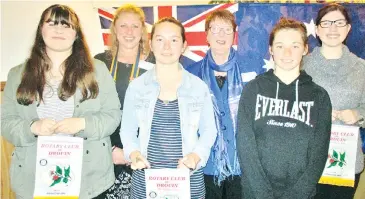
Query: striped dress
<point>165,149</point>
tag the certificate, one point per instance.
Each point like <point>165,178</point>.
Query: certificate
<point>340,165</point>
<point>167,183</point>
<point>58,167</point>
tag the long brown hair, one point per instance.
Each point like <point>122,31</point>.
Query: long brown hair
<point>78,67</point>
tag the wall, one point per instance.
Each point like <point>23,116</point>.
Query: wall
<point>18,24</point>
<point>19,21</point>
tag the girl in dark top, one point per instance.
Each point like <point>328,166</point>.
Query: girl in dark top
<point>284,123</point>
<point>128,58</point>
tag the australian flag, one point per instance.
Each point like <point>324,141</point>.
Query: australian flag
<point>255,22</point>
<point>192,18</point>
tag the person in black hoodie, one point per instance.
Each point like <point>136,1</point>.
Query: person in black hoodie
<point>284,123</point>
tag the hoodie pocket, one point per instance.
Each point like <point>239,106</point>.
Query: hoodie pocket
<point>283,167</point>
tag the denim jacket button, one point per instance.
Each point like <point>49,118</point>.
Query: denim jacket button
<point>224,128</point>
<point>223,113</point>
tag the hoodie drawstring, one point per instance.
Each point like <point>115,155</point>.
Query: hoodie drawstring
<point>296,92</point>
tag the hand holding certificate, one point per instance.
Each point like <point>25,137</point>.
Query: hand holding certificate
<point>48,126</point>
<point>43,127</point>
<point>70,125</point>
<point>138,161</point>
<point>189,161</point>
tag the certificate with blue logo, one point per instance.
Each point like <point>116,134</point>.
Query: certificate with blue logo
<point>58,167</point>
<point>167,183</point>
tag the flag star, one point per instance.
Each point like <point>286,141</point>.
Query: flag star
<point>269,64</point>
<point>311,28</point>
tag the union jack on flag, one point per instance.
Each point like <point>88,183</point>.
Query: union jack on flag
<point>192,17</point>
<point>255,22</point>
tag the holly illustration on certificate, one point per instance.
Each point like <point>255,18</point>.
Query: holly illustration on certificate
<point>58,167</point>
<point>340,165</point>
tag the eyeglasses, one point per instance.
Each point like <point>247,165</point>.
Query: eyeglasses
<point>338,23</point>
<point>217,29</point>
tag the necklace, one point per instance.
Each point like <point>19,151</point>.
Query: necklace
<point>165,102</point>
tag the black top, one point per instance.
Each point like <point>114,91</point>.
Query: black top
<point>122,82</point>
<point>282,136</point>
<point>220,81</point>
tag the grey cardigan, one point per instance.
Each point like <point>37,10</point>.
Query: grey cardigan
<point>344,81</point>
<point>102,116</point>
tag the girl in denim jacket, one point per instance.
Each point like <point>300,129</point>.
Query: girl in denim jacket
<point>172,110</point>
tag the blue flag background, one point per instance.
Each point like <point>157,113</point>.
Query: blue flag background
<point>254,20</point>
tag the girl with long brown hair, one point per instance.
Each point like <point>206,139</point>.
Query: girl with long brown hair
<point>60,90</point>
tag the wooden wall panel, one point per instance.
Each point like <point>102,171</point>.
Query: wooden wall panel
<point>6,150</point>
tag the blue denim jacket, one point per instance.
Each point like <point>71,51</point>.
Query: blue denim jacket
<point>196,115</point>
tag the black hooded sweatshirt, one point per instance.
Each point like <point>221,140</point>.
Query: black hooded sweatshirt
<point>282,136</point>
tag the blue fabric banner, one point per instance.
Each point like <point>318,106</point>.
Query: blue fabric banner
<point>255,21</point>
